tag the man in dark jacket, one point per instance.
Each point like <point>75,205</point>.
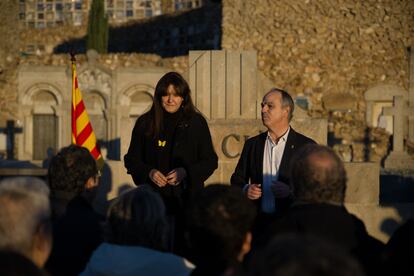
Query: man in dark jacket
<point>263,169</point>
<point>73,179</point>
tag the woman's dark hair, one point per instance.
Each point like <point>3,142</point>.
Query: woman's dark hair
<point>154,118</point>
<point>138,218</point>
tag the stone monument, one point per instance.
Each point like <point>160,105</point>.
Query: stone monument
<point>399,159</point>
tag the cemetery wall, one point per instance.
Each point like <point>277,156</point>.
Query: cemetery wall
<point>8,57</point>
<point>331,52</point>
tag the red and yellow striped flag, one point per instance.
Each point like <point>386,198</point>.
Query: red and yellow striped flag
<point>82,132</point>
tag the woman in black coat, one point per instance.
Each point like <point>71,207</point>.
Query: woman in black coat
<point>171,147</point>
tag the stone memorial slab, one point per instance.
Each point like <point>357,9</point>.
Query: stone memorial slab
<point>363,183</point>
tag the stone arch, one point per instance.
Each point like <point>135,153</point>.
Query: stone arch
<point>378,97</point>
<point>138,98</point>
<point>135,100</point>
<point>42,91</point>
<point>42,108</point>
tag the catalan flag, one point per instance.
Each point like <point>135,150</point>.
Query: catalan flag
<point>82,132</point>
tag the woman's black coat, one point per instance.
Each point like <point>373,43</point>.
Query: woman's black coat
<point>192,149</point>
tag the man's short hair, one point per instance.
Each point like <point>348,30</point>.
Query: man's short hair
<point>138,217</point>
<point>318,175</point>
<point>287,101</point>
<point>24,207</point>
<point>219,220</point>
<point>70,169</point>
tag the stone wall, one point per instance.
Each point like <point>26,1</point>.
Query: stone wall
<point>329,51</point>
<point>165,35</point>
<point>9,41</point>
<point>113,61</point>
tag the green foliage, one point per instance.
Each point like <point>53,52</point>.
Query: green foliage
<point>97,37</point>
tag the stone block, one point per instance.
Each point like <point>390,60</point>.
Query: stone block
<point>317,129</point>
<point>399,160</point>
<point>223,173</point>
<point>363,183</point>
<point>233,99</point>
<point>338,101</point>
<point>218,85</point>
<point>248,93</point>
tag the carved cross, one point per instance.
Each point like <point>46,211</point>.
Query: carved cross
<point>400,111</point>
<point>10,131</point>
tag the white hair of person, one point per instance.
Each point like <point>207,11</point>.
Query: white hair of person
<point>24,208</point>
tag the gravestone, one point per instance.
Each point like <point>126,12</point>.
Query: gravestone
<point>10,130</point>
<point>399,159</point>
<point>376,99</point>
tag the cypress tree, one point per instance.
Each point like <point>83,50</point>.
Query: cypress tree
<point>97,37</point>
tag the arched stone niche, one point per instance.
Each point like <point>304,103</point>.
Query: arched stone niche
<point>41,107</point>
<point>135,101</point>
<point>378,97</point>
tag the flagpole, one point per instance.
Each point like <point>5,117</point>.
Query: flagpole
<point>73,115</point>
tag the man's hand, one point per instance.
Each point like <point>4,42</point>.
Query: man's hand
<point>280,189</point>
<point>158,178</point>
<point>254,191</point>
<point>175,176</point>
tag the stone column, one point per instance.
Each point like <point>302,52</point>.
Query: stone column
<point>411,97</point>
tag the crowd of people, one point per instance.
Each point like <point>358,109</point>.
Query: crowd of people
<point>282,214</point>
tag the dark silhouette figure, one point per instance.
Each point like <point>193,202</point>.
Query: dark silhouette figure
<point>400,250</point>
<point>319,182</point>
<point>73,179</point>
<point>297,255</point>
<point>219,230</point>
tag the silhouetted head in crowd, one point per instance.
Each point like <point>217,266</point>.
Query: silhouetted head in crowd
<point>138,218</point>
<point>25,225</point>
<point>296,255</point>
<point>73,170</point>
<point>219,225</point>
<point>318,175</point>
<point>14,264</point>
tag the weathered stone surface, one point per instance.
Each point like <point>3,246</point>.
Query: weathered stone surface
<point>336,101</point>
<point>363,183</point>
<point>9,57</point>
<point>319,48</point>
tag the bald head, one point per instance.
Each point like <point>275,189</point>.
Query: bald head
<point>318,175</point>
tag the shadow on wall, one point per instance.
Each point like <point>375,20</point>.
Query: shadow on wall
<point>101,202</point>
<point>110,149</point>
<point>165,35</point>
<point>396,191</point>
